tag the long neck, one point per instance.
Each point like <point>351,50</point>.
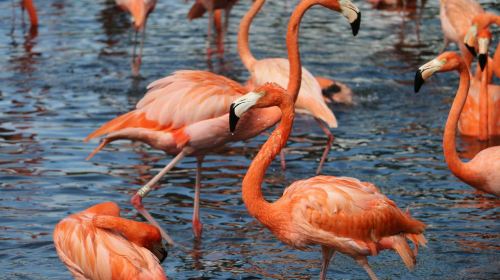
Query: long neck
<point>496,61</point>
<point>456,166</point>
<point>483,105</point>
<point>243,45</point>
<point>252,183</point>
<point>292,44</point>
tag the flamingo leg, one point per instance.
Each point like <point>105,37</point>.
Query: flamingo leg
<point>209,32</point>
<point>283,160</point>
<point>197,226</point>
<point>364,263</point>
<point>327,253</point>
<point>137,60</point>
<point>328,144</point>
<point>13,18</point>
<point>136,199</point>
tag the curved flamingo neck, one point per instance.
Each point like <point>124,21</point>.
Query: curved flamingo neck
<point>252,183</point>
<point>457,167</point>
<point>243,44</point>
<point>30,7</point>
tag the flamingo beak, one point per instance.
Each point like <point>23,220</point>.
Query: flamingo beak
<point>352,13</point>
<point>425,71</point>
<point>159,251</point>
<point>470,38</point>
<point>483,52</point>
<point>240,106</point>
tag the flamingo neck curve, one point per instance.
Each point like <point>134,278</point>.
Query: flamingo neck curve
<point>243,42</point>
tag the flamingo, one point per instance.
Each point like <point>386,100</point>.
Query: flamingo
<point>98,244</point>
<point>30,7</point>
<point>479,22</point>
<point>310,100</point>
<point>482,171</point>
<point>200,7</point>
<point>186,114</point>
<point>339,213</point>
<point>456,17</point>
<point>140,10</point>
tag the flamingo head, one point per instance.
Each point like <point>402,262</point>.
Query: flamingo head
<point>267,95</point>
<point>470,39</point>
<point>445,62</point>
<point>483,40</point>
<point>347,9</point>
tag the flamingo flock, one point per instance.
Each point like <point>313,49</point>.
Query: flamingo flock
<point>197,112</point>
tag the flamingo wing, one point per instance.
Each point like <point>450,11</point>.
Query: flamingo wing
<point>310,99</point>
<point>460,14</point>
<point>176,101</point>
<point>347,207</point>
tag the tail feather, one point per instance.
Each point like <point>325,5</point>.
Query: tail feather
<point>400,245</point>
<point>196,11</point>
<point>113,125</point>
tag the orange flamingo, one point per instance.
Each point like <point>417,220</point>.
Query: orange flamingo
<point>186,114</point>
<point>482,171</point>
<point>29,6</point>
<point>456,17</point>
<point>310,100</point>
<point>140,10</point>
<point>479,22</point>
<point>98,244</point>
<point>200,7</point>
<point>339,213</point>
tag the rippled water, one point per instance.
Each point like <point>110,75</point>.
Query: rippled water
<point>62,83</point>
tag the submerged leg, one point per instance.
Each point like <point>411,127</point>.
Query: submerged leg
<point>364,263</point>
<point>328,144</point>
<point>143,192</point>
<point>197,226</point>
<point>327,253</point>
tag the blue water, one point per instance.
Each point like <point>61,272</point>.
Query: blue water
<point>74,75</point>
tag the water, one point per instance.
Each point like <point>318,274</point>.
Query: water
<point>58,86</point>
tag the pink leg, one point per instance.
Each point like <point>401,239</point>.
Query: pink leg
<point>137,59</point>
<point>197,226</point>
<point>328,144</point>
<point>209,33</point>
<point>327,253</point>
<point>282,160</point>
<point>136,199</point>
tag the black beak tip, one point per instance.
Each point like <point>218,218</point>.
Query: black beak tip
<point>419,81</point>
<point>355,24</point>
<point>233,119</point>
<point>483,59</point>
<point>161,253</point>
<point>471,49</point>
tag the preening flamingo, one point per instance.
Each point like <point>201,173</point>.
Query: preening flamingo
<point>479,22</point>
<point>140,10</point>
<point>29,6</point>
<point>456,18</point>
<point>310,99</point>
<point>339,213</point>
<point>98,244</point>
<point>482,171</point>
<point>186,114</point>
<point>200,7</point>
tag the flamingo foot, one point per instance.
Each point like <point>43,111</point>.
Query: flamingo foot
<point>136,201</point>
<point>197,229</point>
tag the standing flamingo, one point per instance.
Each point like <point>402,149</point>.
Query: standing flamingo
<point>456,17</point>
<point>200,7</point>
<point>339,213</point>
<point>98,244</point>
<point>482,171</point>
<point>29,6</point>
<point>310,99</point>
<point>140,10</point>
<point>186,114</point>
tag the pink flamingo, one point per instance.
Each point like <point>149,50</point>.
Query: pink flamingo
<point>200,7</point>
<point>186,114</point>
<point>140,10</point>
<point>482,171</point>
<point>479,22</point>
<point>339,213</point>
<point>310,99</point>
<point>98,244</point>
<point>456,17</point>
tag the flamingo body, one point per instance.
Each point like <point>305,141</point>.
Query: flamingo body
<point>93,252</point>
<point>310,99</point>
<point>347,215</point>
<point>485,165</point>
